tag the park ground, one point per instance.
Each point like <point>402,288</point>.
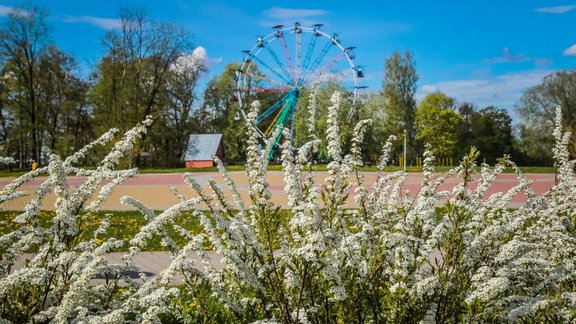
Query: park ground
<point>154,190</point>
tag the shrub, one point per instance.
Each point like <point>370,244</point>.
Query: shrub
<point>439,256</point>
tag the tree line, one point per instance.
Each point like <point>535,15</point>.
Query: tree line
<point>152,68</point>
<point>46,105</point>
<point>453,128</point>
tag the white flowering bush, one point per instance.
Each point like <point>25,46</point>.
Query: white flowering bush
<point>429,256</point>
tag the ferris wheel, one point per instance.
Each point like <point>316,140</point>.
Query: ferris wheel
<point>286,62</point>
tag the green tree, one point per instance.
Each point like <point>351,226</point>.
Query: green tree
<point>536,112</point>
<point>219,100</point>
<point>399,87</point>
<point>370,107</point>
<point>130,81</point>
<point>23,40</point>
<point>534,146</point>
<point>63,99</point>
<point>348,115</point>
<point>177,121</point>
<point>42,100</point>
<point>492,133</point>
<point>6,118</point>
<point>437,123</point>
<point>465,140</point>
<point>220,113</point>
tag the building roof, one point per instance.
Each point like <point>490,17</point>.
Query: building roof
<point>202,147</point>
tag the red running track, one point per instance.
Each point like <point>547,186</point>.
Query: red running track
<point>154,189</point>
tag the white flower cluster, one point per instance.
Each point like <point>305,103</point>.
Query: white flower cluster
<point>439,256</point>
<point>56,283</point>
<point>429,256</point>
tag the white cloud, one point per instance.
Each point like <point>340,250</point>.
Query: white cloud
<point>284,13</point>
<point>508,57</point>
<point>570,51</point>
<point>429,88</point>
<point>540,61</point>
<point>556,9</point>
<point>105,23</point>
<point>501,91</point>
<point>212,62</point>
<point>5,10</point>
<point>195,60</point>
<point>201,55</point>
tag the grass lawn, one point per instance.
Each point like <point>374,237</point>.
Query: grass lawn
<point>124,225</point>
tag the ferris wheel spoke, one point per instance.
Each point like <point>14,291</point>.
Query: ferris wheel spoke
<point>277,105</point>
<point>264,78</point>
<point>298,51</point>
<point>273,125</point>
<point>318,59</point>
<point>331,76</point>
<point>326,66</point>
<point>283,115</point>
<point>287,75</point>
<point>310,50</point>
<point>258,90</point>
<point>308,57</point>
<point>281,77</point>
<point>288,57</point>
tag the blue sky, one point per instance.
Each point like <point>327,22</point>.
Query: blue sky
<point>485,52</point>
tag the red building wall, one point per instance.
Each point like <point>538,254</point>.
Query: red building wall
<point>206,163</point>
<point>199,164</point>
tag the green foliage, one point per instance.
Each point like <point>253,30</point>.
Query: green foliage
<point>196,304</point>
<point>492,133</point>
<point>303,115</point>
<point>371,108</point>
<point>536,111</point>
<point>124,225</point>
<point>24,40</point>
<point>399,87</point>
<point>140,76</point>
<point>52,110</point>
<point>65,110</point>
<point>489,130</point>
<point>437,123</point>
<point>219,111</point>
<point>174,127</point>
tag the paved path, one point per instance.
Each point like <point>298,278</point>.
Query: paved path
<point>154,189</point>
<point>152,263</point>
